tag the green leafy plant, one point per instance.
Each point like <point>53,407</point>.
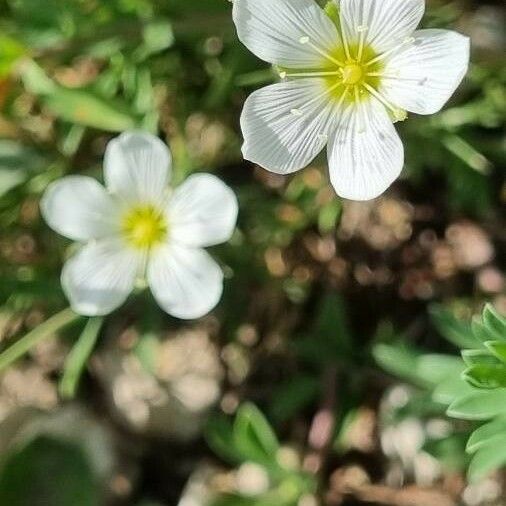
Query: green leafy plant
<point>486,372</point>
<point>470,388</point>
<point>251,439</point>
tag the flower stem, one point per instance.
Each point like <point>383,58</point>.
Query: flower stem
<point>78,356</point>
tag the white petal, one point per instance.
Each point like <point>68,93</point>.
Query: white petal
<point>365,153</point>
<point>186,282</point>
<point>286,125</point>
<point>79,208</point>
<point>202,211</point>
<point>99,278</point>
<point>427,72</point>
<point>386,22</point>
<point>136,167</point>
<point>273,29</point>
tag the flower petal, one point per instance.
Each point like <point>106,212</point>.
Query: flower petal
<point>136,167</point>
<point>99,278</point>
<point>273,29</point>
<point>186,282</point>
<point>427,73</point>
<point>78,207</point>
<point>286,125</point>
<point>386,23</point>
<point>202,211</point>
<point>365,153</point>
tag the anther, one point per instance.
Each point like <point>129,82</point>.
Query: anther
<point>325,54</point>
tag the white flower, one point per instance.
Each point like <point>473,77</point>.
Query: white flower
<point>139,228</point>
<point>348,73</point>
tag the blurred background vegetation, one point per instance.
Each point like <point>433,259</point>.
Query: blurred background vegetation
<point>323,377</point>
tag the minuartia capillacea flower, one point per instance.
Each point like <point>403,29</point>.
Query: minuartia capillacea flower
<point>139,228</point>
<point>348,72</point>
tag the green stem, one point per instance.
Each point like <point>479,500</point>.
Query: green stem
<point>78,356</point>
<point>44,330</point>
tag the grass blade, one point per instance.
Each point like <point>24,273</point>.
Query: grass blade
<point>44,330</point>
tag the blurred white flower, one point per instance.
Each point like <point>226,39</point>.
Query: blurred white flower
<point>348,72</point>
<point>139,228</point>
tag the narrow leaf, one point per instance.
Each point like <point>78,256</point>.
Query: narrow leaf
<point>479,357</point>
<point>486,376</point>
<point>498,348</point>
<point>487,459</point>
<point>44,330</point>
<point>480,331</point>
<point>452,329</point>
<point>480,405</point>
<point>484,434</point>
<point>495,322</point>
<point>253,434</point>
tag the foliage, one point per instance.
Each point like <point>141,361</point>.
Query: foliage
<point>309,278</point>
<point>473,386</point>
<point>250,438</point>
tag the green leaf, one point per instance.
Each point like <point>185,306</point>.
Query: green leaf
<point>480,331</point>
<point>332,10</point>
<point>17,162</point>
<point>220,438</point>
<point>331,322</point>
<point>498,348</point>
<point>10,52</point>
<point>495,322</point>
<point>486,376</point>
<point>488,458</point>
<point>435,368</point>
<point>481,405</point>
<point>35,79</point>
<point>146,350</point>
<point>399,360</point>
<point>451,388</point>
<point>78,356</point>
<point>485,434</point>
<point>478,357</point>
<point>253,436</point>
<point>449,451</point>
<point>80,106</point>
<point>83,107</point>
<point>43,331</point>
<point>328,216</point>
<point>450,328</point>
<point>294,395</point>
<point>27,476</point>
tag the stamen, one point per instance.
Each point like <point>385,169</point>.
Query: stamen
<point>343,96</point>
<point>399,114</point>
<point>382,56</point>
<point>345,41</point>
<point>299,112</point>
<point>283,74</point>
<point>325,54</point>
<point>362,29</point>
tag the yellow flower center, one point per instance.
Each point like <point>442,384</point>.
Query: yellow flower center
<point>353,73</point>
<point>144,227</point>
